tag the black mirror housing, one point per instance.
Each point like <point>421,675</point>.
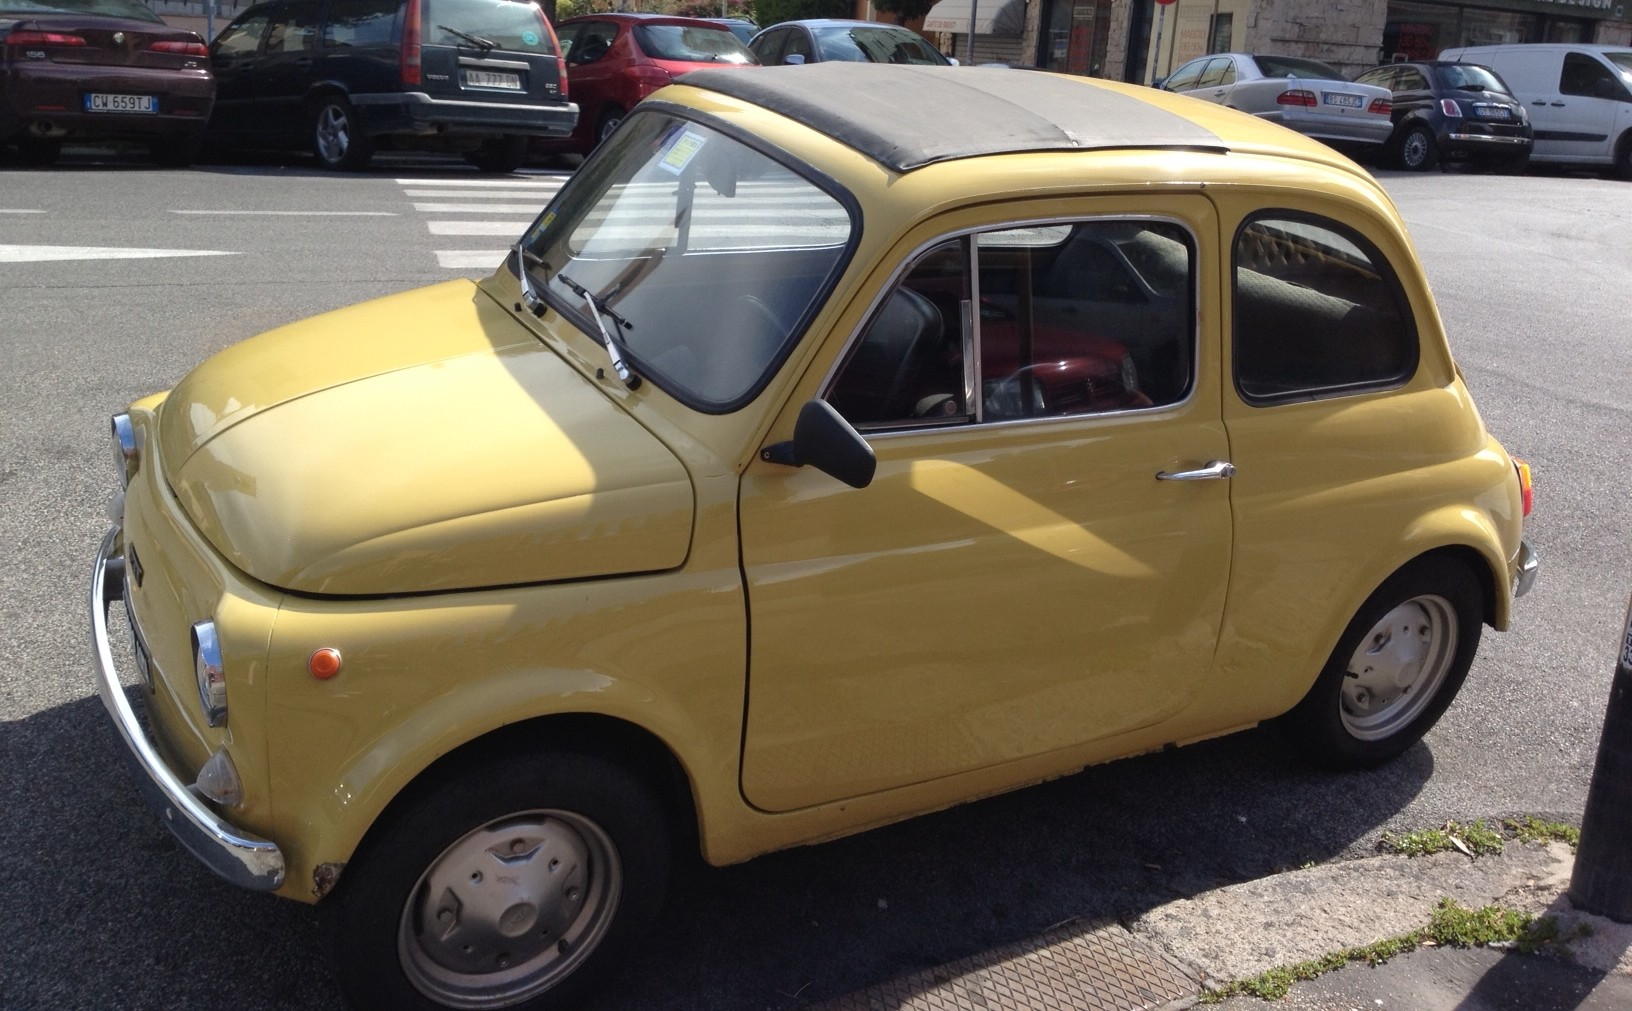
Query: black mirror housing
<point>824,440</point>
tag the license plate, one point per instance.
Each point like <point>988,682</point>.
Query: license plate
<point>144,662</point>
<point>1346,101</point>
<point>1492,112</point>
<point>121,103</point>
<point>492,79</point>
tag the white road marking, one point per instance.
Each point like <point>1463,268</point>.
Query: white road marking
<point>468,259</point>
<point>39,254</point>
<point>541,195</point>
<point>294,214</point>
<point>18,210</point>
<point>508,229</point>
<point>478,208</point>
<point>544,182</point>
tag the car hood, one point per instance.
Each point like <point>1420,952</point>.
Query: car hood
<point>422,442</point>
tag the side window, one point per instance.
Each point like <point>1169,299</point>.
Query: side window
<point>1073,319</point>
<point>592,41</point>
<point>1410,79</point>
<point>1186,76</point>
<point>908,366</point>
<point>242,38</point>
<point>292,31</point>
<point>354,24</point>
<point>1318,312</point>
<point>1586,77</point>
<point>799,45</point>
<point>1213,76</point>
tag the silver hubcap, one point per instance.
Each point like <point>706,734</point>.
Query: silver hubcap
<point>333,133</point>
<point>1416,148</point>
<point>1399,667</point>
<point>510,909</point>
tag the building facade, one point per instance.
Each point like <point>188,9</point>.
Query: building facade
<point>1142,40</point>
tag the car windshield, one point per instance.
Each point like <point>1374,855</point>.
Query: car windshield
<point>128,9</point>
<point>876,45</point>
<point>1469,77</point>
<point>1293,66</point>
<point>710,256</point>
<point>692,44</point>
<point>508,24</point>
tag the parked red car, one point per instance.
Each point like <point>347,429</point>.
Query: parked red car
<point>100,70</point>
<point>615,60</point>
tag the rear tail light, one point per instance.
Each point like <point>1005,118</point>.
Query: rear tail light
<point>1527,491</point>
<point>180,48</point>
<point>31,38</point>
<point>1297,96</point>
<point>560,57</point>
<point>410,44</point>
<point>1381,107</point>
<point>1449,107</point>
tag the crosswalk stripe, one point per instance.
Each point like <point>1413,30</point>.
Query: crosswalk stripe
<point>508,229</point>
<point>544,182</point>
<point>468,259</point>
<point>540,195</point>
<point>478,208</point>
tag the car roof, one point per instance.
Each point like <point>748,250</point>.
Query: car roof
<point>958,112</point>
<point>841,23</point>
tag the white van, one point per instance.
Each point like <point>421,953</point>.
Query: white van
<point>1579,98</point>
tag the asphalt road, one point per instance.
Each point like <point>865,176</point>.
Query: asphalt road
<point>104,911</point>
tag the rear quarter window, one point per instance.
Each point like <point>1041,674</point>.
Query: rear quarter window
<point>512,24</point>
<point>1318,312</point>
<point>353,24</point>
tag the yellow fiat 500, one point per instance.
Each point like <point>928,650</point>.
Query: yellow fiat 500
<point>842,443</point>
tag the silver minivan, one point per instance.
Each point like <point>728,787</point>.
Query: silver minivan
<point>1579,98</point>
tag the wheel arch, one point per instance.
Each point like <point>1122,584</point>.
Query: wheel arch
<point>638,750</point>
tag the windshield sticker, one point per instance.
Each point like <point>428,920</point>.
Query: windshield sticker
<point>530,38</point>
<point>682,151</point>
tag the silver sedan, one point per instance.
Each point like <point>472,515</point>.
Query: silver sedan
<point>1306,95</point>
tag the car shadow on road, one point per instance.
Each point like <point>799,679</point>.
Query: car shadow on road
<point>777,932</point>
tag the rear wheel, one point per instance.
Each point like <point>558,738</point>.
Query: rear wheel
<point>38,152</point>
<point>502,154</point>
<point>1395,670</point>
<point>174,152</point>
<point>1417,151</point>
<point>337,139</point>
<point>518,884</point>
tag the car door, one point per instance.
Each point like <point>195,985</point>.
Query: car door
<point>286,69</point>
<point>234,56</point>
<point>1581,118</point>
<point>1022,577</point>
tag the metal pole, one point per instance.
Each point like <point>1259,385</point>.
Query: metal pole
<point>1156,50</point>
<point>209,21</point>
<point>1602,880</point>
<point>973,4</point>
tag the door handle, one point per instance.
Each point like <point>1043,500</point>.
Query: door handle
<point>1214,470</point>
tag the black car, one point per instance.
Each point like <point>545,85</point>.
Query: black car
<point>1453,112</point>
<point>343,77</point>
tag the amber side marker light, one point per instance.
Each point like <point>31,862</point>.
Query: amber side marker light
<point>324,663</point>
<point>1527,491</point>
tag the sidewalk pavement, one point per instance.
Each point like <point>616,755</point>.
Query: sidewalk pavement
<point>1166,957</point>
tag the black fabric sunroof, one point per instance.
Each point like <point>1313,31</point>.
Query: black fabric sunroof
<point>905,117</point>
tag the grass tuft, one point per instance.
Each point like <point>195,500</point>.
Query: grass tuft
<point>1475,840</point>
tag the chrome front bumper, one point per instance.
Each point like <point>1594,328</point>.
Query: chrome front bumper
<point>1524,576</point>
<point>241,858</point>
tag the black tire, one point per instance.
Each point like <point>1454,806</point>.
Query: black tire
<point>1423,623</point>
<point>174,152</point>
<point>608,124</point>
<point>1512,165</point>
<point>504,154</point>
<point>337,137</point>
<point>38,152</point>
<point>1623,158</point>
<point>1416,150</point>
<point>556,922</point>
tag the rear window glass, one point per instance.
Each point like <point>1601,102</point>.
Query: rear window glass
<point>1292,66</point>
<point>1469,77</point>
<point>129,9</point>
<point>877,45</point>
<point>691,44</point>
<point>510,24</point>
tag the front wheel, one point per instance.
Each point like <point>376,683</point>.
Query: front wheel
<point>1396,669</point>
<point>608,125</point>
<point>337,137</point>
<point>518,884</point>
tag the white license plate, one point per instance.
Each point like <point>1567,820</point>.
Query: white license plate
<point>492,79</point>
<point>1492,112</point>
<point>1346,101</point>
<point>121,103</point>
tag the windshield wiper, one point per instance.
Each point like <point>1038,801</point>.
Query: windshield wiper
<point>598,308</point>
<point>529,297</point>
<point>485,45</point>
